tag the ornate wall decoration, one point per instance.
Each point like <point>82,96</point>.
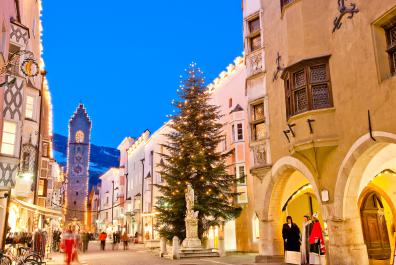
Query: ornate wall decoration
<point>13,99</point>
<point>28,158</point>
<point>259,155</point>
<point>255,63</point>
<point>19,35</point>
<point>7,174</point>
<point>343,11</point>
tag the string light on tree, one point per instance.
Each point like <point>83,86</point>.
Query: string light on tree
<point>193,159</point>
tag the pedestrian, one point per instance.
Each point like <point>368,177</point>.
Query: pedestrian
<point>317,243</point>
<point>291,235</point>
<point>115,240</point>
<point>77,245</point>
<point>291,238</point>
<point>306,232</point>
<point>85,241</point>
<point>125,240</point>
<point>68,245</point>
<point>102,238</point>
<point>136,238</point>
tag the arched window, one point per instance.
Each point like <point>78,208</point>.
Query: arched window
<point>79,137</point>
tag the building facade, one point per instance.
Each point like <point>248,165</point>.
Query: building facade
<point>26,120</point>
<point>328,82</point>
<point>110,209</point>
<point>78,156</point>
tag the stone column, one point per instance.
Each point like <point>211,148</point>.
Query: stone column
<point>271,243</point>
<point>163,251</point>
<point>346,242</point>
<point>175,248</point>
<point>221,247</point>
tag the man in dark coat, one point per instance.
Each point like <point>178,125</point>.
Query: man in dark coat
<point>291,235</point>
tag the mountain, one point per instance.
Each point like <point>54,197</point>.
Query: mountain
<point>102,157</point>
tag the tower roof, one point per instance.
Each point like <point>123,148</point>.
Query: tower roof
<point>80,111</point>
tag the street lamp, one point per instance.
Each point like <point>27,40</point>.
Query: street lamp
<point>112,204</point>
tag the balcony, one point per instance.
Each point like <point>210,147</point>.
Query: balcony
<point>312,129</point>
<point>255,63</point>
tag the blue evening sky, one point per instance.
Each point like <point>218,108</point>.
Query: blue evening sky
<point>123,59</point>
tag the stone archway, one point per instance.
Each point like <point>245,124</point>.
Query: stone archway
<point>363,160</point>
<point>270,212</point>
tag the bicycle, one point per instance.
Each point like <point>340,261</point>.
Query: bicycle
<point>4,260</point>
<point>10,258</point>
<point>29,254</point>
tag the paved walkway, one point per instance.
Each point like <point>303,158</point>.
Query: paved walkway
<point>138,255</point>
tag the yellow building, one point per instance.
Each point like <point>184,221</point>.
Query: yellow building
<point>329,80</point>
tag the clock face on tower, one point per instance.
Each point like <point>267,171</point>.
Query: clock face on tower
<point>77,169</point>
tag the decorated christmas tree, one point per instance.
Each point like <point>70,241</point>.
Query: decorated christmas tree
<point>193,157</point>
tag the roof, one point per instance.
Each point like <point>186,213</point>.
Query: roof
<point>80,110</point>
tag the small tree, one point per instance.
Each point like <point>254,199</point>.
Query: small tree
<point>193,157</point>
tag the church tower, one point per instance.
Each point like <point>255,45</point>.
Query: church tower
<point>78,152</point>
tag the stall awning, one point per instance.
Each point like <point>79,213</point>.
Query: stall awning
<point>36,208</point>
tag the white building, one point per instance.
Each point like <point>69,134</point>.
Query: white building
<point>109,209</point>
<point>136,174</point>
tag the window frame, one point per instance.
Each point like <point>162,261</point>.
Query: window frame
<point>239,131</point>
<point>251,35</point>
<point>290,87</point>
<point>254,122</point>
<point>391,47</point>
<point>32,117</point>
<point>3,151</point>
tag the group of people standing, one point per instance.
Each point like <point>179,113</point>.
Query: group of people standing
<point>310,243</point>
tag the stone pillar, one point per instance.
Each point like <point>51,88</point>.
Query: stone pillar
<point>221,247</point>
<point>175,248</point>
<point>163,251</point>
<point>346,243</point>
<point>271,243</point>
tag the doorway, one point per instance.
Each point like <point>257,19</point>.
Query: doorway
<point>374,227</point>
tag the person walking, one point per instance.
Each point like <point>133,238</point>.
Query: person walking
<point>68,245</point>
<point>85,241</point>
<point>306,232</point>
<point>102,238</point>
<point>316,242</point>
<point>125,240</point>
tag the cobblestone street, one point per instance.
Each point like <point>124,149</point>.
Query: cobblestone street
<point>138,255</point>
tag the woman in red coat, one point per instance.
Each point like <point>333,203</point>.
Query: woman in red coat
<point>68,245</point>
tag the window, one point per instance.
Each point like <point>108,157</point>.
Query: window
<point>107,215</point>
<point>79,136</point>
<point>75,203</point>
<point>8,140</point>
<point>307,86</point>
<point>230,102</point>
<point>285,2</point>
<point>391,39</point>
<point>257,120</point>
<point>42,188</point>
<point>107,200</point>
<point>240,131</point>
<point>254,36</point>
<point>256,228</point>
<point>29,107</point>
<point>45,149</point>
<point>76,193</point>
<point>241,175</point>
<point>233,132</point>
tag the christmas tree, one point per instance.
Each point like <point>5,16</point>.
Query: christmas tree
<point>193,157</point>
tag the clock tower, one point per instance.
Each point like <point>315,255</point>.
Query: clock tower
<point>77,175</point>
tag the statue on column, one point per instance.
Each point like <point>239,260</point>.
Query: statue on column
<point>190,197</point>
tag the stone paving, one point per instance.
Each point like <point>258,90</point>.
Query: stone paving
<point>138,255</point>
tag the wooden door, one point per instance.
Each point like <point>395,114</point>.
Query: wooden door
<point>374,227</point>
